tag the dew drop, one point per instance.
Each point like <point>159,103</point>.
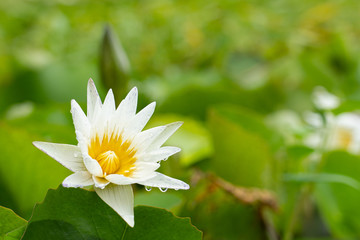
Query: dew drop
<point>147,188</point>
<point>176,189</point>
<point>163,189</point>
<point>77,154</point>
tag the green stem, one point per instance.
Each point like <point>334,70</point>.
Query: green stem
<point>307,189</point>
<point>126,227</point>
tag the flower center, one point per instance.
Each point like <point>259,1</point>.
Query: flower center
<point>108,161</point>
<point>344,138</point>
<point>113,154</point>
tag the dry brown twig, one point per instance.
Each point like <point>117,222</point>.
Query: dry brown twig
<point>253,196</point>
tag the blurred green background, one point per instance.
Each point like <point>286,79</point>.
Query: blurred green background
<point>240,74</point>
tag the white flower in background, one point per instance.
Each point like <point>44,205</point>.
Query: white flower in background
<point>340,132</point>
<point>344,133</point>
<point>113,152</point>
<point>324,100</point>
<point>332,132</point>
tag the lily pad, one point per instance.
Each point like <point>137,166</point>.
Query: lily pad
<point>69,213</point>
<point>10,222</point>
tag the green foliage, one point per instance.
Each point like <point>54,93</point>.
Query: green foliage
<point>322,177</point>
<point>69,213</point>
<point>25,172</point>
<point>338,202</point>
<point>218,214</point>
<point>158,199</point>
<point>241,156</point>
<point>11,225</point>
<point>223,68</point>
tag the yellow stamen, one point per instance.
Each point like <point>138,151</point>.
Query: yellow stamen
<point>113,154</point>
<point>344,138</point>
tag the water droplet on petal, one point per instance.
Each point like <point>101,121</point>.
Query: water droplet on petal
<point>176,189</point>
<point>147,188</point>
<point>163,189</point>
<point>77,154</point>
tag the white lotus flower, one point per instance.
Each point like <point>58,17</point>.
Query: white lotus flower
<point>113,152</point>
<point>341,132</point>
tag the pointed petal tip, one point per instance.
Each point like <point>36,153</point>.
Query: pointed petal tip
<point>39,145</point>
<point>36,143</point>
<point>91,83</point>
<point>73,103</point>
<point>133,91</point>
<point>121,199</point>
<point>175,125</point>
<point>178,123</point>
<point>129,219</point>
<point>177,149</point>
<point>153,106</point>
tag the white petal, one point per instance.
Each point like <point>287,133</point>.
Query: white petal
<point>127,107</point>
<point>121,199</point>
<point>81,122</point>
<point>160,154</point>
<point>129,104</point>
<point>144,139</point>
<point>68,155</point>
<point>109,102</point>
<point>100,182</point>
<point>120,179</point>
<point>136,124</point>
<point>325,100</point>
<point>163,181</point>
<point>82,142</point>
<point>78,179</point>
<point>96,113</point>
<point>93,98</point>
<point>92,166</point>
<point>162,137</point>
<point>144,170</point>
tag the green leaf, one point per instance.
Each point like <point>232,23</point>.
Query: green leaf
<point>196,100</point>
<point>348,106</point>
<point>10,222</point>
<point>295,157</point>
<point>26,172</point>
<point>322,178</point>
<point>192,137</point>
<point>338,203</point>
<point>242,155</point>
<point>252,121</point>
<point>69,213</point>
<point>158,199</point>
<point>114,64</point>
<point>15,234</point>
